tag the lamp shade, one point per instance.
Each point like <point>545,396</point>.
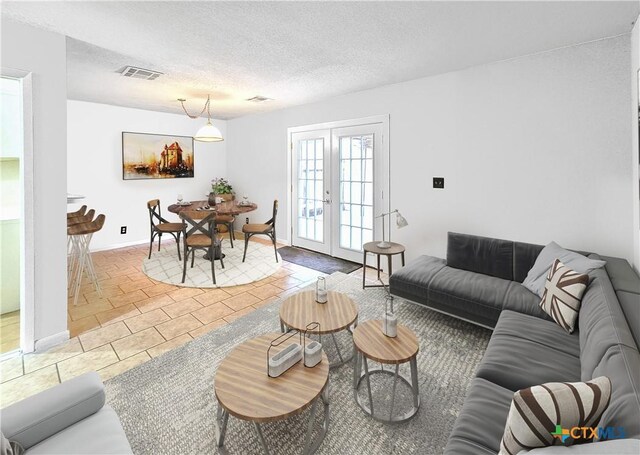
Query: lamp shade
<point>208,133</point>
<point>401,221</point>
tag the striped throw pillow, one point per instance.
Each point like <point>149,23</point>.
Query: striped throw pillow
<point>563,294</point>
<point>543,415</point>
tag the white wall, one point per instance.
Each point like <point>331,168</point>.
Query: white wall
<point>635,99</point>
<point>44,54</point>
<point>532,149</point>
<point>95,167</point>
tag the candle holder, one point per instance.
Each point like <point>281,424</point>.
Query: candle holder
<point>313,350</point>
<point>321,290</point>
<point>286,358</point>
<point>390,320</point>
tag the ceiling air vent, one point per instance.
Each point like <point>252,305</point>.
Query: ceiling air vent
<point>259,99</point>
<point>140,73</point>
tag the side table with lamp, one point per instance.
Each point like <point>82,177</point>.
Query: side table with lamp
<point>383,248</point>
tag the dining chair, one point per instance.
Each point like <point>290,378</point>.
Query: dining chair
<point>199,233</point>
<point>268,229</point>
<point>224,223</point>
<point>81,235</point>
<point>161,226</point>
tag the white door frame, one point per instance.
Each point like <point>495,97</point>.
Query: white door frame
<point>385,164</point>
<point>27,275</point>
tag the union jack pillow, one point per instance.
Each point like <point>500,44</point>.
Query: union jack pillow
<point>562,295</point>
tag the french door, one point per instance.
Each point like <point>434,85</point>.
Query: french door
<point>339,184</point>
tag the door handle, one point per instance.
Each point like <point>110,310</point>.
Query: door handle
<point>327,201</point>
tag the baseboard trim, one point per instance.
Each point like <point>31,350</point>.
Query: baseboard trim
<point>52,340</point>
<point>115,246</point>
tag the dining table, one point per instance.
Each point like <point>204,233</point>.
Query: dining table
<point>222,208</point>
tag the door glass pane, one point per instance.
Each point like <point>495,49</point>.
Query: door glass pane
<point>356,196</point>
<point>310,189</point>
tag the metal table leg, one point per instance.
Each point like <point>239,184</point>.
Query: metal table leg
<point>221,425</point>
<point>256,425</point>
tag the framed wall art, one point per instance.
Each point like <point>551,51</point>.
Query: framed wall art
<point>156,156</point>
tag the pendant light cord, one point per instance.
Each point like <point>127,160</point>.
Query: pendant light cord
<point>205,108</point>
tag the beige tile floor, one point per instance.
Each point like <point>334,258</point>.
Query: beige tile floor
<point>9,331</point>
<point>137,319</point>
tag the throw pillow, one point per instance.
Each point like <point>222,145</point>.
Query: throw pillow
<point>563,294</point>
<point>536,277</point>
<point>9,447</point>
<point>543,415</point>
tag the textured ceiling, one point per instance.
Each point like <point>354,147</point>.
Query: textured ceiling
<point>297,52</point>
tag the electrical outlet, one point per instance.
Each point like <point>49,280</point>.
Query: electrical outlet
<point>438,182</point>
<point>123,229</point>
<point>246,220</point>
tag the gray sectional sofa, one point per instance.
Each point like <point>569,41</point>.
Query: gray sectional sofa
<point>481,282</point>
<point>70,418</point>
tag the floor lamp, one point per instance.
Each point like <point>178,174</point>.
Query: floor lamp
<point>400,223</point>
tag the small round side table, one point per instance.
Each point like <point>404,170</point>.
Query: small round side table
<point>372,247</point>
<point>370,343</point>
<point>244,390</point>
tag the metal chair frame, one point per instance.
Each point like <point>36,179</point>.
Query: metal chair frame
<point>155,213</point>
<point>271,233</point>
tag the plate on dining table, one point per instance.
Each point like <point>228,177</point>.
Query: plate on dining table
<point>183,203</point>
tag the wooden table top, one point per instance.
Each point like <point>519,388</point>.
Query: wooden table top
<point>223,208</point>
<point>301,309</point>
<point>372,247</point>
<point>243,387</point>
<point>375,345</point>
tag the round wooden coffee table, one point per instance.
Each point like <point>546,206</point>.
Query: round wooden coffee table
<point>370,343</point>
<point>339,313</point>
<point>245,391</point>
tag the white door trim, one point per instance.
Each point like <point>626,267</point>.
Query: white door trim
<point>27,307</point>
<point>383,119</point>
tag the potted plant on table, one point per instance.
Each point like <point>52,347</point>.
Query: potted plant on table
<point>220,187</point>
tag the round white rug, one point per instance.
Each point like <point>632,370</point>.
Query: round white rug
<point>164,266</point>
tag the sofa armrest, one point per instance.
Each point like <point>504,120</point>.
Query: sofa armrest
<point>613,446</point>
<point>36,418</point>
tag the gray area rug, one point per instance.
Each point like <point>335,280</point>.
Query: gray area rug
<point>168,406</point>
<point>317,261</point>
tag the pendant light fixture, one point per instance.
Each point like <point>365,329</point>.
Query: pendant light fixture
<point>208,133</point>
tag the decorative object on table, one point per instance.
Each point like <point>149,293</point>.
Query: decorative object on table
<point>222,187</point>
<point>160,225</point>
<point>313,350</point>
<point>211,199</point>
<point>390,320</point>
<point>156,156</point>
<point>321,290</point>
<point>400,223</point>
<point>287,357</point>
<point>208,133</point>
<point>268,229</point>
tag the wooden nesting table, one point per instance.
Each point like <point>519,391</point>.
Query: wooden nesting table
<point>372,247</point>
<point>245,391</point>
<point>339,313</point>
<point>371,343</point>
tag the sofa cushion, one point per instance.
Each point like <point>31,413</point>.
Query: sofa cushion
<point>537,275</point>
<point>480,424</point>
<point>602,323</point>
<point>412,281</point>
<point>524,256</point>
<point>473,293</point>
<point>527,327</point>
<point>522,300</point>
<point>480,254</point>
<point>99,433</point>
<point>538,414</point>
<point>562,295</point>
<point>630,304</point>
<point>516,361</point>
<point>623,277</point>
<point>621,364</point>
